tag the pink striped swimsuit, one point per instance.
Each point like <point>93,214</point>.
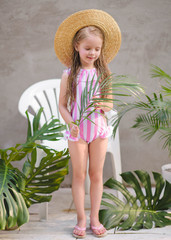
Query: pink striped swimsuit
<point>89,131</point>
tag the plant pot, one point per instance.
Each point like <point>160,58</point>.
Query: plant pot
<point>166,172</point>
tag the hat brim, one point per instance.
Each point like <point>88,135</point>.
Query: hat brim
<point>92,17</point>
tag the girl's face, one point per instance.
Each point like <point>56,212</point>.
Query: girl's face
<point>89,50</point>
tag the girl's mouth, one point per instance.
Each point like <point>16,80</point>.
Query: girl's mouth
<point>91,58</point>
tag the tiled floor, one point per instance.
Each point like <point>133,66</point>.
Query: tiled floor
<point>60,224</point>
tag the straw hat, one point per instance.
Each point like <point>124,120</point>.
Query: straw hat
<point>78,20</point>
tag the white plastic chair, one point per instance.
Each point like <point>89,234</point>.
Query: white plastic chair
<point>46,94</point>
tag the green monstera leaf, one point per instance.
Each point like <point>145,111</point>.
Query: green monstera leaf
<point>145,209</point>
<point>45,178</point>
<point>13,210</point>
<point>51,130</point>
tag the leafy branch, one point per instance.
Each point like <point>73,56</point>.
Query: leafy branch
<point>155,113</point>
<point>104,92</point>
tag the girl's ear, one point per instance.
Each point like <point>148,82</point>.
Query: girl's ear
<point>76,47</point>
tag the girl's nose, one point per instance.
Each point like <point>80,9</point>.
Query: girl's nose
<point>92,52</point>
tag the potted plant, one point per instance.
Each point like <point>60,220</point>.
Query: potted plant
<point>155,116</point>
<point>20,189</point>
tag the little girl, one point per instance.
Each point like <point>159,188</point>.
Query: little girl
<point>85,42</point>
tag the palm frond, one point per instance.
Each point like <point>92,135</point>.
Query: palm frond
<point>112,86</point>
<point>147,124</point>
<point>155,117</point>
<point>159,73</point>
<point>166,136</point>
<point>126,84</point>
<point>150,124</point>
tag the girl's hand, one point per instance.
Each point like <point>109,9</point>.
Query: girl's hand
<point>74,130</point>
<point>104,106</point>
<point>97,105</point>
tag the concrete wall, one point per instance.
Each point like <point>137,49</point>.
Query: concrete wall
<point>27,30</point>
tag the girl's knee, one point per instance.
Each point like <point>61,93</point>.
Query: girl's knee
<point>96,176</point>
<point>79,175</point>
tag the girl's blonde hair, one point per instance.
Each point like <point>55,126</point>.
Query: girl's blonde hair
<point>100,63</point>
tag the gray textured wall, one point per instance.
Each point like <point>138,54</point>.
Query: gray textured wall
<point>27,30</point>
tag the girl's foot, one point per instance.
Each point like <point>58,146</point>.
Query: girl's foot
<point>80,230</point>
<point>98,229</point>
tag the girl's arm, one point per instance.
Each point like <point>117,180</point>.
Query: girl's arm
<point>105,106</point>
<point>63,101</point>
<point>66,115</point>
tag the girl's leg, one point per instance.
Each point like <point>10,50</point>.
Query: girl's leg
<point>79,155</point>
<point>97,153</point>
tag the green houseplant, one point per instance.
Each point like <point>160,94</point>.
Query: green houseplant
<point>20,189</point>
<point>144,210</point>
<point>155,115</point>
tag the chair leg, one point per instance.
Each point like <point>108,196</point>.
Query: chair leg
<point>116,161</point>
<point>43,207</point>
<point>115,168</point>
<point>43,211</point>
<point>116,173</point>
<point>115,150</point>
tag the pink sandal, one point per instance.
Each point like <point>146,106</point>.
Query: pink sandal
<point>98,228</point>
<point>79,229</point>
